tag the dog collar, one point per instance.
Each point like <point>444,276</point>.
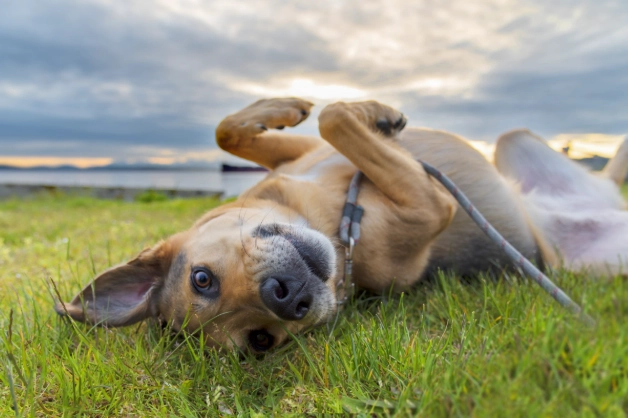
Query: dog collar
<point>349,234</point>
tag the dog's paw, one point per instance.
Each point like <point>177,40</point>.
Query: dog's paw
<point>376,116</point>
<point>274,114</point>
<point>391,127</point>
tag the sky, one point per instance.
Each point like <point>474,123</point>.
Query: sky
<point>90,82</point>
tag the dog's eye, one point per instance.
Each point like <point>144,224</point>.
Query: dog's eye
<point>204,281</point>
<point>261,340</point>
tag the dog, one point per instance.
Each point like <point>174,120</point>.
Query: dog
<point>252,271</point>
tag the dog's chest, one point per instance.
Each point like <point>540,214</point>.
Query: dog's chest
<point>318,167</point>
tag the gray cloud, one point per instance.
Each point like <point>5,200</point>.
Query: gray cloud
<point>97,78</point>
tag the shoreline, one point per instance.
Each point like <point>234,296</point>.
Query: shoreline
<point>8,191</point>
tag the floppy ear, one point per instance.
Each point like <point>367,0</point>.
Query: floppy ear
<point>125,294</point>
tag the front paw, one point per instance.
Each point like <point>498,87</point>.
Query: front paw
<point>259,117</point>
<point>376,116</point>
<point>275,113</point>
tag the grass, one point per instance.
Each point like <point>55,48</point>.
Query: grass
<point>491,348</point>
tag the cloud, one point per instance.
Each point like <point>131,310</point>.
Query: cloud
<point>96,78</point>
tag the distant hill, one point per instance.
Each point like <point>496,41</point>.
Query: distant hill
<point>123,166</point>
<point>43,167</point>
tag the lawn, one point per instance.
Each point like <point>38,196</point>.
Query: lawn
<point>490,348</point>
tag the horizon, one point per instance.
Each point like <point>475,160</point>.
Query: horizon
<point>581,147</point>
<point>93,82</point>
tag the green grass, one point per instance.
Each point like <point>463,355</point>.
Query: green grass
<point>492,348</point>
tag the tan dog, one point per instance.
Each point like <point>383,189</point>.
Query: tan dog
<point>249,271</point>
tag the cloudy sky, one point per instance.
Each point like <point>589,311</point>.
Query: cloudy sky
<point>95,81</point>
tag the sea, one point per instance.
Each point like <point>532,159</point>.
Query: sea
<point>230,183</point>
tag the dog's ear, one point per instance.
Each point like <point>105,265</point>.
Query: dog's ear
<point>125,294</point>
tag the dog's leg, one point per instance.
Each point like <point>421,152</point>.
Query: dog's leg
<point>617,168</point>
<point>527,159</point>
<point>245,135</point>
<point>358,131</point>
<point>578,214</point>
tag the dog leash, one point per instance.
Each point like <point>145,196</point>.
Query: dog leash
<point>350,234</point>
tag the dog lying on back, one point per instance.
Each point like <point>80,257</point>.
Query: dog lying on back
<point>251,270</point>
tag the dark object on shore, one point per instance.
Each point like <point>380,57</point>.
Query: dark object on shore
<point>226,168</point>
<point>594,163</point>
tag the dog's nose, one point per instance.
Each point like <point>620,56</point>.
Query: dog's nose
<point>288,297</point>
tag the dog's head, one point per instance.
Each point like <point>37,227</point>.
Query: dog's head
<point>245,276</point>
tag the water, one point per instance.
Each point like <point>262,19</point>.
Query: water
<point>231,184</point>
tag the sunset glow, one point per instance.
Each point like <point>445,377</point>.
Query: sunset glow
<point>305,88</point>
<point>26,161</point>
<point>150,81</point>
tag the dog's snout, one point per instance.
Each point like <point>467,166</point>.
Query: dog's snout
<point>288,297</point>
<point>268,230</point>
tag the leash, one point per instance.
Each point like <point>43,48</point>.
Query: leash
<point>350,234</point>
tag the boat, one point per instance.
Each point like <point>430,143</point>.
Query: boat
<point>228,168</point>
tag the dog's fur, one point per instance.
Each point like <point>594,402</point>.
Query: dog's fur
<point>283,231</point>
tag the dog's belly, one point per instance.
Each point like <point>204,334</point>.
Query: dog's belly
<point>587,234</point>
<point>320,164</point>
